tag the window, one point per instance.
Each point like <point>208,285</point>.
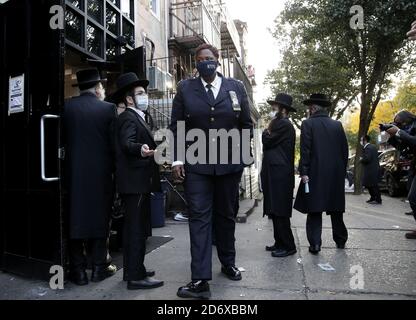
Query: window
<point>74,27</point>
<point>95,40</point>
<point>154,6</point>
<point>127,8</point>
<point>93,26</point>
<point>95,10</point>
<point>113,21</point>
<point>76,3</point>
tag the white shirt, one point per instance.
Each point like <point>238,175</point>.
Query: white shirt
<point>139,112</point>
<point>216,85</point>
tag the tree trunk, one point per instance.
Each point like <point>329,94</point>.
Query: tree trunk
<point>362,131</point>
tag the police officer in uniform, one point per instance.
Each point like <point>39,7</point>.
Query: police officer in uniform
<point>210,101</point>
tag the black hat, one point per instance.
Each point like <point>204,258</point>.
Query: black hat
<point>319,99</point>
<point>284,100</point>
<point>126,82</point>
<point>88,78</point>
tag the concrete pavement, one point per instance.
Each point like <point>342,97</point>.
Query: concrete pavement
<point>376,246</point>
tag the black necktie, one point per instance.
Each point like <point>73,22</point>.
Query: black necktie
<point>148,119</point>
<point>210,93</point>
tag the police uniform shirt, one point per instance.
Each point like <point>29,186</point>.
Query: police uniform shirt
<point>215,87</point>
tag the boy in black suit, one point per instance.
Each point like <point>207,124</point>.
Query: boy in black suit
<point>137,175</point>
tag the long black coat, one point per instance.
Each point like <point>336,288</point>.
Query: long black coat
<point>278,170</point>
<point>371,166</point>
<point>89,141</point>
<point>135,174</point>
<point>324,158</point>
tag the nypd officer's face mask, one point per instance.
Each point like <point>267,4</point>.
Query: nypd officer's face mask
<point>207,68</point>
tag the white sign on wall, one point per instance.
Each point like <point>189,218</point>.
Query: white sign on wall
<point>16,94</point>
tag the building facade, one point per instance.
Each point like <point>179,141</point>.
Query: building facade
<point>154,38</point>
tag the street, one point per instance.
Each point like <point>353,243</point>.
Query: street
<point>376,246</point>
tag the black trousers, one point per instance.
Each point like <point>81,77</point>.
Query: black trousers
<point>283,236</point>
<point>375,193</point>
<point>78,249</point>
<point>135,232</point>
<point>314,228</point>
<point>412,196</point>
<point>211,202</point>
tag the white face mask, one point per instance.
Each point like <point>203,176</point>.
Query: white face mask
<point>142,102</point>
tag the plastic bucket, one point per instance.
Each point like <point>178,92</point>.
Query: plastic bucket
<point>157,205</point>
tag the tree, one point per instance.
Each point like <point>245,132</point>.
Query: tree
<point>305,70</point>
<point>386,110</point>
<point>371,54</point>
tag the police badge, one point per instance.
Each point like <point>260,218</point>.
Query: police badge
<point>234,99</point>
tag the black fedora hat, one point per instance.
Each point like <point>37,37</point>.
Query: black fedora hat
<point>284,100</point>
<point>126,82</point>
<point>319,99</point>
<point>88,78</point>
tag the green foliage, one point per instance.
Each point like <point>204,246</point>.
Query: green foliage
<point>324,54</point>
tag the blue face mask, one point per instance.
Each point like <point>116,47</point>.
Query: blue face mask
<point>207,69</point>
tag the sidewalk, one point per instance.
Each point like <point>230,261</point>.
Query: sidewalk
<point>376,244</point>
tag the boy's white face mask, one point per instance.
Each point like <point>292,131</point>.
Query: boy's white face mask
<point>142,102</point>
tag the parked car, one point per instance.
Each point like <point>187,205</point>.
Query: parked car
<point>394,172</point>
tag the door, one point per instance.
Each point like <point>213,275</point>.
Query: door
<point>31,52</point>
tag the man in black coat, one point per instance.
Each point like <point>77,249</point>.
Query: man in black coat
<point>278,175</point>
<point>211,102</point>
<point>137,175</point>
<point>89,142</point>
<point>371,174</point>
<point>323,164</point>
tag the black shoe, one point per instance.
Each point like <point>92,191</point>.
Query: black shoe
<point>341,245</point>
<point>146,283</point>
<point>232,273</point>
<point>80,278</point>
<point>149,273</point>
<point>101,273</point>
<point>271,248</point>
<point>409,213</point>
<point>371,200</point>
<point>376,202</point>
<point>196,290</point>
<point>411,235</point>
<point>314,249</point>
<point>281,253</point>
